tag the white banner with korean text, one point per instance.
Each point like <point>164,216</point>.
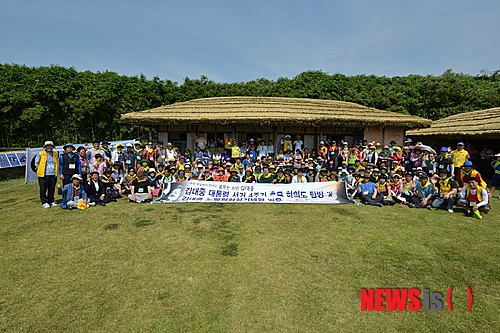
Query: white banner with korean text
<point>201,191</point>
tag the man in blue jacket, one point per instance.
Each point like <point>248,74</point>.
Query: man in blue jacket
<point>72,192</point>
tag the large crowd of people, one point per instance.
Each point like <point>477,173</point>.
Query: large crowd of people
<point>412,174</point>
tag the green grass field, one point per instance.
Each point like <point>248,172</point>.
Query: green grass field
<point>238,267</point>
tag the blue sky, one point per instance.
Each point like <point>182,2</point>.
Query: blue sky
<point>238,41</point>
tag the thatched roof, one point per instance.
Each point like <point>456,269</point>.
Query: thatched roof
<point>260,111</point>
<point>483,123</point>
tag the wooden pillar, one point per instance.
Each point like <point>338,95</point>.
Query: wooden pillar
<point>315,144</point>
<point>150,134</point>
<point>275,140</point>
<point>190,138</point>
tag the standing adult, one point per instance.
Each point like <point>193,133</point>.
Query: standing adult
<point>458,157</point>
<point>91,153</point>
<point>287,143</point>
<point>171,151</point>
<point>129,158</point>
<point>161,153</point>
<point>84,163</point>
<point>105,148</point>
<point>200,141</point>
<point>495,182</point>
<point>235,151</point>
<point>150,154</point>
<point>69,163</point>
<point>298,144</point>
<point>47,168</point>
<point>117,155</point>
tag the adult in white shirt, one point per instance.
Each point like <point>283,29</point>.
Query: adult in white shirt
<point>201,142</point>
<point>298,144</point>
<point>299,177</point>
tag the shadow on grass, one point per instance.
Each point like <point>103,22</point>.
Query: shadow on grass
<point>111,226</point>
<point>230,250</point>
<point>142,223</point>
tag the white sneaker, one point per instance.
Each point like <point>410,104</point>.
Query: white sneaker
<point>46,205</point>
<point>91,204</point>
<point>54,204</point>
<point>450,210</point>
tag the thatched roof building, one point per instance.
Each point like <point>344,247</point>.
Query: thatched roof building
<point>475,125</point>
<point>273,117</point>
<point>260,111</point>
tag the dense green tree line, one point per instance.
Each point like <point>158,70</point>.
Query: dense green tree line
<point>63,104</point>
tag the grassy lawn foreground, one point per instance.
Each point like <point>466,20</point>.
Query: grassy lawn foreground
<point>238,267</point>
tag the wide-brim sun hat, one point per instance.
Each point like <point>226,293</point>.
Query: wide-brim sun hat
<point>69,144</point>
<point>75,176</point>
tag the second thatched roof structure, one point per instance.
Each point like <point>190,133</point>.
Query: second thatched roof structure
<point>483,124</point>
<point>261,111</point>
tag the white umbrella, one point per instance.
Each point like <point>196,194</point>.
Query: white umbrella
<point>426,148</point>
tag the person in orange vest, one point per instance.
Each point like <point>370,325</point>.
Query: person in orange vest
<point>322,176</point>
<point>47,169</point>
<point>475,199</point>
<point>149,154</point>
<point>467,171</point>
<point>220,176</point>
<point>323,150</point>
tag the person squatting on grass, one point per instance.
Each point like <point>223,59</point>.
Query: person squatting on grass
<point>377,175</point>
<point>446,190</point>
<point>368,191</point>
<point>422,196</point>
<point>140,190</point>
<point>474,198</point>
<point>72,193</point>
